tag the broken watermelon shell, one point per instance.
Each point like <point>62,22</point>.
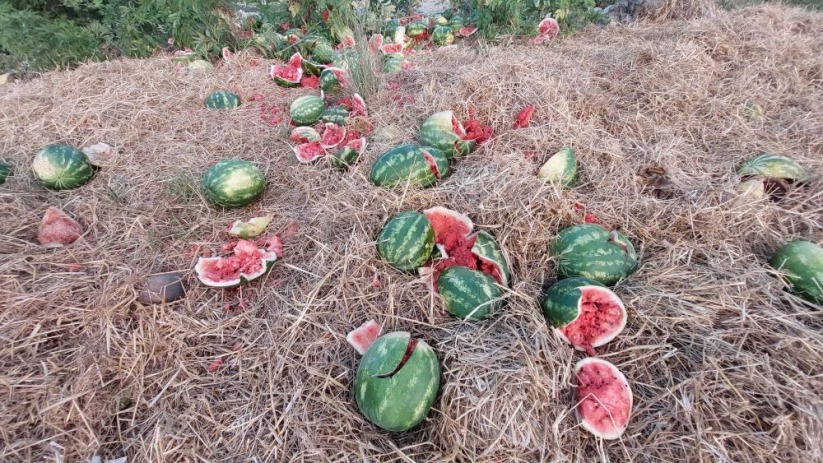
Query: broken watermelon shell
<point>289,74</point>
<point>304,134</point>
<point>333,135</point>
<point>604,398</point>
<point>254,227</point>
<point>247,263</point>
<point>363,337</point>
<point>308,152</point>
<point>443,131</point>
<point>349,154</point>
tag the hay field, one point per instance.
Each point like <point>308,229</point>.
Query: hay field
<point>725,366</point>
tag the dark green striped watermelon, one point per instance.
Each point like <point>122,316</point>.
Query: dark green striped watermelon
<point>62,167</point>
<point>397,381</point>
<point>5,172</point>
<point>591,251</point>
<point>487,249</point>
<point>413,164</point>
<point>406,241</point>
<point>222,99</point>
<point>584,313</point>
<point>469,294</point>
<point>349,154</point>
<point>306,110</point>
<point>801,263</point>
<point>443,131</point>
<point>332,80</point>
<point>392,63</point>
<point>322,52</point>
<point>233,183</point>
<point>773,166</point>
<point>335,115</point>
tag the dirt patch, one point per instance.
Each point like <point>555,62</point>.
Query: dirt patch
<point>725,366</point>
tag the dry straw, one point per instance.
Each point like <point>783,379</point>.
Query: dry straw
<point>724,364</point>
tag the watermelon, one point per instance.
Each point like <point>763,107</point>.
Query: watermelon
<point>308,152</point>
<point>335,114</point>
<point>253,228</point>
<point>443,35</point>
<point>233,183</point>
<point>440,20</point>
<point>773,166</point>
<point>289,74</point>
<point>304,134</point>
<point>246,264</point>
<point>397,381</point>
<point>332,80</point>
<point>375,43</point>
<point>604,398</point>
<point>322,52</point>
<point>392,64</point>
<point>311,68</point>
<point>5,172</point>
<point>349,154</point>
<point>333,135</point>
<point>584,313</point>
<point>468,293</point>
<point>61,167</point>
<point>99,154</point>
<point>561,168</point>
<point>467,31</point>
<point>406,241</point>
<point>591,251</point>
<point>58,229</point>
<point>800,262</point>
<point>488,251</point>
<point>162,288</point>
<point>200,66</point>
<point>417,29</point>
<point>222,99</point>
<point>306,110</point>
<point>358,105</point>
<point>413,164</point>
<point>444,132</point>
<point>364,336</point>
<point>393,48</point>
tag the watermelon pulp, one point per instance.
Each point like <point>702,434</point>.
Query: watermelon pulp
<point>247,263</point>
<point>308,152</point>
<point>432,164</point>
<point>333,135</point>
<point>601,317</point>
<point>58,229</point>
<point>287,73</point>
<point>363,337</point>
<point>604,398</point>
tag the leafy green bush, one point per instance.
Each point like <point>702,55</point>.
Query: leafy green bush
<point>494,17</point>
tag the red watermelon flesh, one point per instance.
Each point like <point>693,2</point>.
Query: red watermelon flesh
<point>458,129</point>
<point>363,337</point>
<point>58,229</point>
<point>391,48</point>
<point>376,43</point>
<point>358,105</point>
<point>357,144</point>
<point>310,81</point>
<point>333,135</point>
<point>467,31</point>
<point>604,398</point>
<point>308,152</point>
<point>602,317</point>
<point>432,164</point>
<point>549,27</point>
<point>247,260</point>
<point>296,61</point>
<point>288,73</point>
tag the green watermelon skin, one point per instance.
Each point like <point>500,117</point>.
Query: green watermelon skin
<point>233,183</point>
<point>437,131</point>
<point>335,114</point>
<point>62,167</point>
<point>406,163</point>
<point>406,241</point>
<point>469,294</point>
<point>773,166</point>
<point>344,157</point>
<point>801,263</point>
<point>585,251</point>
<point>329,81</point>
<point>322,52</point>
<point>488,248</point>
<point>5,172</point>
<point>306,110</point>
<point>392,64</point>
<point>560,304</point>
<point>402,401</point>
<point>443,35</point>
<point>222,100</point>
<point>416,28</point>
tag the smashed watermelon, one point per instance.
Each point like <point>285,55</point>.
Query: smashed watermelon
<point>363,337</point>
<point>376,43</point>
<point>58,229</point>
<point>392,48</point>
<point>333,136</point>
<point>467,31</point>
<point>604,398</point>
<point>246,264</point>
<point>304,134</point>
<point>289,74</point>
<point>308,152</point>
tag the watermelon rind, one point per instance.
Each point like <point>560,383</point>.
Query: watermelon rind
<point>586,251</point>
<point>254,227</point>
<point>304,134</point>
<point>347,156</point>
<point>773,166</point>
<point>561,168</point>
<point>443,35</point>
<point>406,241</point>
<point>222,99</point>
<point>370,329</point>
<point>800,262</point>
<point>561,307</point>
<point>416,29</point>
<point>407,164</point>
<point>322,52</point>
<point>311,68</point>
<point>5,172</point>
<point>335,115</point>
<point>469,294</point>
<point>486,247</point>
<point>267,259</point>
<point>283,82</point>
<point>392,64</point>
<point>62,167</point>
<point>437,131</point>
<point>403,400</point>
<point>329,82</point>
<point>753,189</point>
<point>233,183</point>
<point>306,110</point>
<point>621,378</point>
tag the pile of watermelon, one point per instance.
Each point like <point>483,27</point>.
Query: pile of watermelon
<point>321,131</point>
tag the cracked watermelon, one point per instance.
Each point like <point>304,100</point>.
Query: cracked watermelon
<point>604,398</point>
<point>397,381</point>
<point>62,167</point>
<point>289,74</point>
<point>222,99</point>
<point>392,63</point>
<point>443,35</point>
<point>333,135</point>
<point>468,293</point>
<point>306,110</point>
<point>332,80</point>
<point>417,165</point>
<point>773,166</point>
<point>800,262</point>
<point>406,241</point>
<point>443,131</point>
<point>349,154</point>
<point>304,134</point>
<point>593,252</point>
<point>246,264</point>
<point>322,52</point>
<point>233,183</point>
<point>309,151</point>
<point>561,168</point>
<point>584,313</point>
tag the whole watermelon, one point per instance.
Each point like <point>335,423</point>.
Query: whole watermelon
<point>306,110</point>
<point>233,183</point>
<point>591,251</point>
<point>418,165</point>
<point>222,99</point>
<point>801,263</point>
<point>393,394</point>
<point>62,167</point>
<point>406,241</point>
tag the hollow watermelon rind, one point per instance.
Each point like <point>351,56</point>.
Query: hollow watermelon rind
<point>267,260</point>
<point>773,166</point>
<point>233,183</point>
<point>588,251</point>
<point>406,242</point>
<point>589,403</point>
<point>62,167</point>
<point>800,262</point>
<point>562,307</point>
<point>487,248</point>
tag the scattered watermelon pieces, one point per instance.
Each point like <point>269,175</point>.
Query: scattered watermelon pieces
<point>363,337</point>
<point>476,131</point>
<point>524,117</point>
<point>310,82</point>
<point>333,136</point>
<point>308,152</point>
<point>254,227</point>
<point>547,29</point>
<point>58,229</point>
<point>376,43</point>
<point>467,31</point>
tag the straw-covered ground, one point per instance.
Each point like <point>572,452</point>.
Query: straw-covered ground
<point>725,365</point>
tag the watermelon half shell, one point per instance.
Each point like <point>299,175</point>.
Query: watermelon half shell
<point>364,336</point>
<point>604,398</point>
<point>246,264</point>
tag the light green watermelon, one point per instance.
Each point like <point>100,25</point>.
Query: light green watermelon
<point>443,131</point>
<point>443,35</point>
<point>5,172</point>
<point>62,167</point>
<point>393,394</point>
<point>469,294</point>
<point>233,183</point>
<point>561,168</point>
<point>222,99</point>
<point>773,166</point>
<point>801,263</point>
<point>406,241</point>
<point>591,251</point>
<point>414,164</point>
<point>306,110</point>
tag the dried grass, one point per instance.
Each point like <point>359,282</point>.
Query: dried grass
<point>725,366</point>
<point>664,10</point>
